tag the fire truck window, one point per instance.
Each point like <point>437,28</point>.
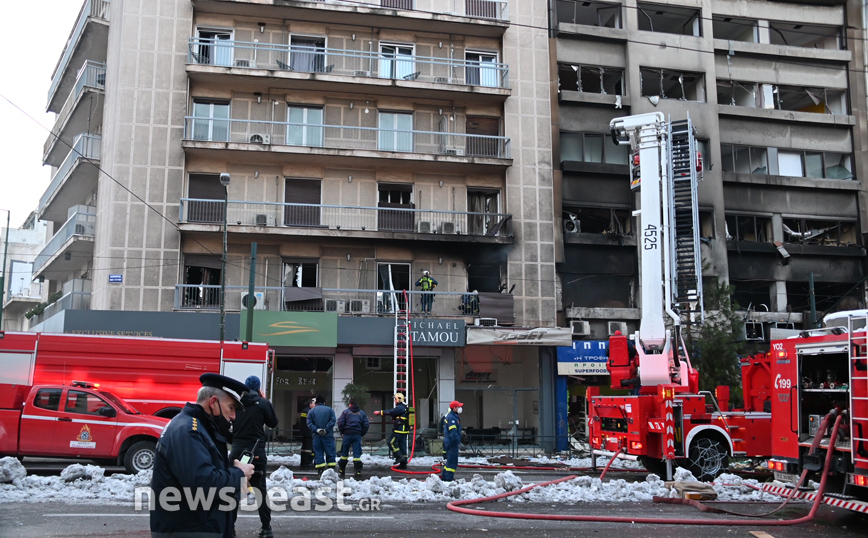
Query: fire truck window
<point>83,403</point>
<point>47,399</point>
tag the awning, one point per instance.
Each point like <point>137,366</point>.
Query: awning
<point>507,336</point>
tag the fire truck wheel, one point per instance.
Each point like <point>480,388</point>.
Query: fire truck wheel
<point>707,458</point>
<point>140,457</point>
<point>654,465</point>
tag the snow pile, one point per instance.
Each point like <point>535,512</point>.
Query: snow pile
<point>77,484</point>
<point>82,472</point>
<point>12,471</point>
<point>683,475</point>
<point>508,481</point>
<point>730,487</point>
<point>590,489</point>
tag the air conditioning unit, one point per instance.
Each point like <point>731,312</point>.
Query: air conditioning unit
<point>335,305</point>
<point>258,300</point>
<point>572,224</point>
<point>259,138</point>
<point>363,73</point>
<point>447,227</point>
<point>458,152</point>
<point>242,63</point>
<point>580,328</point>
<point>424,227</point>
<point>360,306</point>
<point>442,80</point>
<point>485,322</point>
<point>617,326</point>
<point>265,220</point>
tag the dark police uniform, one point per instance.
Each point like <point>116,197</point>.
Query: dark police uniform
<point>451,443</point>
<point>400,429</point>
<point>322,417</point>
<point>353,425</point>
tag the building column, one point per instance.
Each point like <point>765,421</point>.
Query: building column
<point>779,296</point>
<point>446,380</point>
<point>343,376</point>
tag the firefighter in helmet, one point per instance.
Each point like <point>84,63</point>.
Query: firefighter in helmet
<point>427,284</point>
<point>400,429</point>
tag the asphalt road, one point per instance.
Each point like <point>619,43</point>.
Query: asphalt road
<point>428,519</point>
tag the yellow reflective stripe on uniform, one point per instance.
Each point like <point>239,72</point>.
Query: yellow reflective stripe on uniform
<point>450,469</point>
<point>344,458</point>
<point>453,427</point>
<point>320,465</point>
<point>357,459</point>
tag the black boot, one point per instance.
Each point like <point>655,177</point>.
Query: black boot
<point>342,468</point>
<point>402,464</point>
<point>358,466</point>
<point>266,532</point>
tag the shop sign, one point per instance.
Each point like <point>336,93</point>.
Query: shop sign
<point>586,357</point>
<point>437,332</point>
<point>284,380</point>
<point>294,329</point>
<point>504,336</point>
<point>477,376</point>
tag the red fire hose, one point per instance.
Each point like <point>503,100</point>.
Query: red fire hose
<point>458,506</point>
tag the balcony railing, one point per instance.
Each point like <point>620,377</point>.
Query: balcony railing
<point>86,147</point>
<point>482,9</point>
<point>96,9</point>
<point>90,76</point>
<point>79,224</point>
<point>76,296</point>
<point>340,301</point>
<point>200,129</point>
<point>355,63</point>
<point>341,217</point>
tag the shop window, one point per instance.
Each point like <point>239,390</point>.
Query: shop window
<point>669,19</point>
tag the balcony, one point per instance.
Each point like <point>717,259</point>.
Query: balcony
<point>483,18</point>
<point>70,245</point>
<point>317,141</point>
<point>361,222</point>
<point>73,180</point>
<point>88,41</point>
<point>76,296</point>
<point>80,113</point>
<point>346,301</point>
<point>296,66</point>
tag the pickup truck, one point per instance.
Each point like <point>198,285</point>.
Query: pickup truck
<point>76,421</point>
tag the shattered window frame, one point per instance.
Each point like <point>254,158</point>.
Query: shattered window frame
<point>672,84</point>
<point>589,13</point>
<point>819,231</point>
<point>735,28</point>
<point>749,228</point>
<point>596,79</point>
<point>669,19</point>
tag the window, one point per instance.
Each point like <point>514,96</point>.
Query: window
<point>300,274</point>
<point>592,148</point>
<point>482,69</point>
<point>744,159</point>
<point>669,19</point>
<point>304,126</point>
<point>610,222</point>
<point>591,79</point>
<point>20,278</point>
<point>748,228</point>
<point>47,399</point>
<point>396,203</point>
<point>201,281</point>
<point>815,36</point>
<point>302,191</point>
<point>210,120</point>
<point>393,278</point>
<point>84,403</point>
<point>307,54</point>
<point>484,206</point>
<point>730,92</point>
<point>734,29</point>
<point>589,13</point>
<point>396,61</point>
<point>483,136</point>
<point>396,132</point>
<point>820,232</point>
<point>215,47</point>
<point>372,363</point>
<point>206,199</point>
<point>671,84</point>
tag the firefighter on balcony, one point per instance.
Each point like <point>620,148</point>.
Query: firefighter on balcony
<point>451,440</point>
<point>427,284</point>
<point>400,429</point>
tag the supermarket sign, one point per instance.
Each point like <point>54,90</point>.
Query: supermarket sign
<point>584,357</point>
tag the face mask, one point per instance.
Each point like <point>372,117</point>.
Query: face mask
<point>459,410</point>
<point>224,427</point>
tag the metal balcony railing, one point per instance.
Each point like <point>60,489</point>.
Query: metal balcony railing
<point>355,63</point>
<point>86,147</point>
<point>202,129</point>
<point>79,224</point>
<point>90,76</point>
<point>340,301</point>
<point>92,9</point>
<point>341,217</point>
<point>482,9</point>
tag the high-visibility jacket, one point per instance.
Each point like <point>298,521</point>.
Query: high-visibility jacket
<point>427,283</point>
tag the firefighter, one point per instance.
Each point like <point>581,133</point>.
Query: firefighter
<point>306,436</point>
<point>191,456</point>
<point>427,284</point>
<point>400,429</point>
<point>353,425</point>
<point>321,421</point>
<point>451,440</point>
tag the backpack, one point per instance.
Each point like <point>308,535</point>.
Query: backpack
<point>441,425</point>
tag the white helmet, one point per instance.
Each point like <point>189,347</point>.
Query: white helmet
<point>426,272</point>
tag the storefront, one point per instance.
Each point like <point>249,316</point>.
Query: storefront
<point>580,365</point>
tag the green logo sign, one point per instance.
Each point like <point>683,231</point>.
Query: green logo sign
<point>295,329</point>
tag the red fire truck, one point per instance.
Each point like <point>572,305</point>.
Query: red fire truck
<point>157,376</point>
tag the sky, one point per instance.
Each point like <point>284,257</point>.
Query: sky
<point>29,59</point>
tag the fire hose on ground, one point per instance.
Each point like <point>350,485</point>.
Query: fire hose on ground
<point>459,506</point>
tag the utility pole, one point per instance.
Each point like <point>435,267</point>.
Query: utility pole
<point>3,276</point>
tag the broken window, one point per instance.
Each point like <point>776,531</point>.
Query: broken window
<point>744,159</point>
<point>706,224</point>
<point>734,93</point>
<point>751,294</point>
<point>806,35</point>
<point>804,99</point>
<point>669,19</point>
<point>748,228</point>
<point>820,232</point>
<point>813,164</point>
<point>671,84</point>
<point>734,29</point>
<point>601,220</point>
<point>591,79</point>
<point>601,14</point>
<point>592,148</point>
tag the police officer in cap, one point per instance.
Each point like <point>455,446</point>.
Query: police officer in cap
<point>191,455</point>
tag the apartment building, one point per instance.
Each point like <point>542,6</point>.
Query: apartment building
<point>776,91</point>
<point>21,296</point>
<point>353,144</point>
